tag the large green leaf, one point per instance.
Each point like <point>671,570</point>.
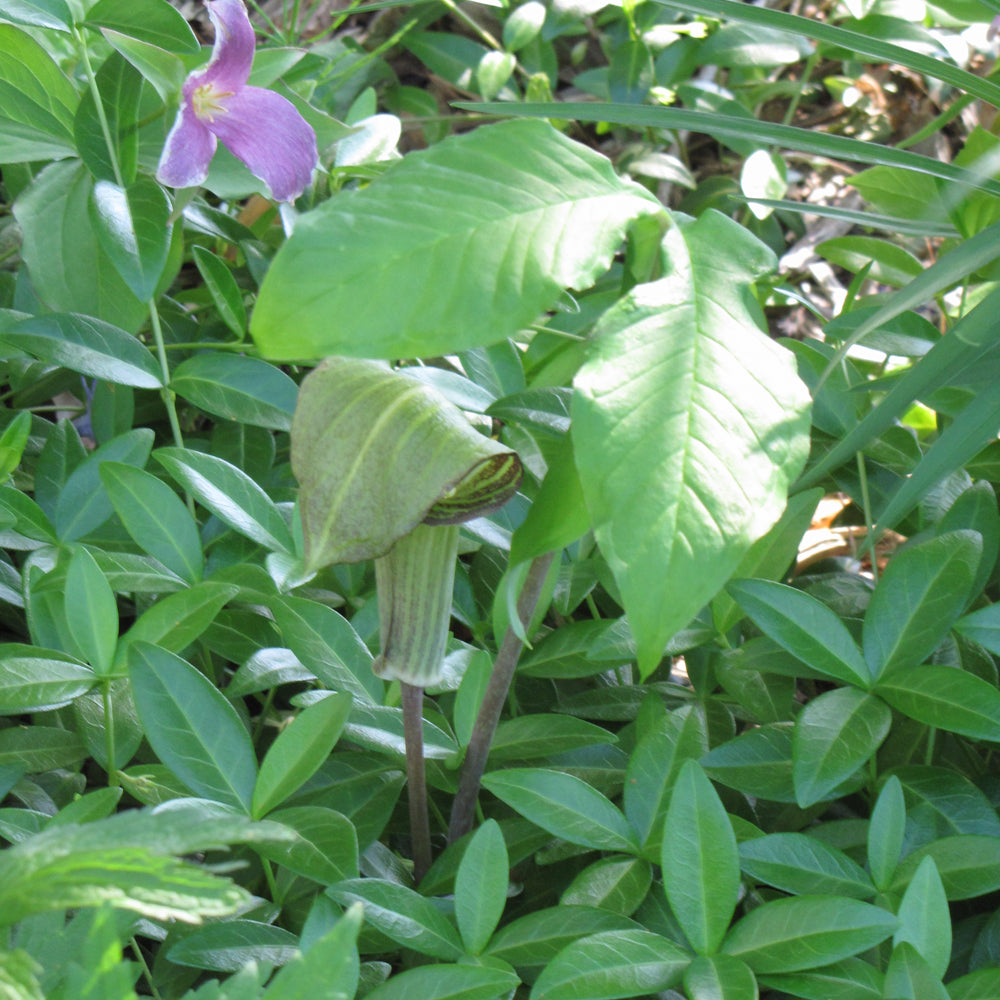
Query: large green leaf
<point>325,848</point>
<point>458,246</point>
<point>804,626</point>
<point>37,102</point>
<point>920,596</point>
<point>947,698</point>
<point>701,868</point>
<point>83,503</point>
<point>564,805</point>
<point>802,932</point>
<point>688,426</point>
<point>612,965</point>
<point>86,345</point>
<point>191,726</point>
<point>834,735</point>
<point>403,915</point>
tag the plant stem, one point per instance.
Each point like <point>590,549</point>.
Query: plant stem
<point>464,807</point>
<point>416,783</point>
<point>102,117</point>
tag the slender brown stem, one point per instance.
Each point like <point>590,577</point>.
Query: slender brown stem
<point>416,782</point>
<point>463,809</point>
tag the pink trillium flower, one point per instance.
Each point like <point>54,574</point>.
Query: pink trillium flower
<point>257,126</point>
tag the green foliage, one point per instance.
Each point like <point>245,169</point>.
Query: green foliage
<point>683,734</point>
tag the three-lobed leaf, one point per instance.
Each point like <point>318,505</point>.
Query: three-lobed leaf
<point>476,236</point>
<point>688,427</point>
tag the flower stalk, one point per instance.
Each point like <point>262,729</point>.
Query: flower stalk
<point>388,469</point>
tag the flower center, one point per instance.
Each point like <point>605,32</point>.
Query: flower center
<point>208,101</point>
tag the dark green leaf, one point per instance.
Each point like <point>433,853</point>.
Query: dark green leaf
<point>834,735</point>
<point>86,345</point>
<point>612,965</point>
<point>222,287</point>
<point>230,494</point>
<point>803,626</point>
<point>851,979</point>
<point>919,597</point>
<point>618,883</point>
<point>132,226</point>
<point>947,698</point>
<point>565,806</point>
<point>119,84</point>
<point>886,830</point>
<point>481,886</point>
<point>229,945</point>
<point>402,915</point>
<point>156,518</point>
<point>177,620</point>
<point>325,848</point>
<point>541,735</point>
<point>969,865</point>
<point>328,647</point>
<point>36,749</point>
<point>535,939</point>
<point>237,388</point>
<point>803,865</point>
<point>146,20</point>
<point>701,868</point>
<point>924,918</point>
<point>191,726</point>
<point>448,982</point>
<point>91,611</point>
<point>83,503</point>
<point>720,977</point>
<point>36,680</point>
<point>54,14</point>
<point>802,932</point>
<point>37,102</point>
<point>298,751</point>
<point>758,762</point>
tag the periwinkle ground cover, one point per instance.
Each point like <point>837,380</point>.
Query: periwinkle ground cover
<point>395,400</point>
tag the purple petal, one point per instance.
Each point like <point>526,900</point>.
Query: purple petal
<point>187,152</point>
<point>265,131</point>
<point>232,54</point>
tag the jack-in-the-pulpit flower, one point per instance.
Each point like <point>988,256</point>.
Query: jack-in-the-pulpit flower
<point>257,126</point>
